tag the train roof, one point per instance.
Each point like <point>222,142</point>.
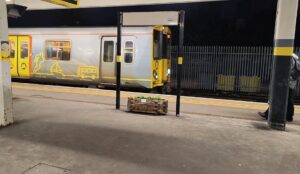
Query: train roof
<point>79,30</point>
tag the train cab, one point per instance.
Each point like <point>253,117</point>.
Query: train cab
<point>161,56</point>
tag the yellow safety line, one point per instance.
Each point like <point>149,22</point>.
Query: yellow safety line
<point>172,99</point>
<point>283,51</point>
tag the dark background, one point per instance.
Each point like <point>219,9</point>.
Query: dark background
<point>233,22</point>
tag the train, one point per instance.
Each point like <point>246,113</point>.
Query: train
<point>87,56</point>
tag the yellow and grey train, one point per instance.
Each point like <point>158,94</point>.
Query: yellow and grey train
<point>88,55</point>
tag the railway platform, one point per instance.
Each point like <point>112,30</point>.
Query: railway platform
<point>77,130</point>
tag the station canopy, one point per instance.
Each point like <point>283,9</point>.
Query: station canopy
<point>43,5</point>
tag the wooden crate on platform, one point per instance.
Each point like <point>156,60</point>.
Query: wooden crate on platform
<point>148,105</point>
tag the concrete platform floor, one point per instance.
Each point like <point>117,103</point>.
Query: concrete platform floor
<point>59,132</point>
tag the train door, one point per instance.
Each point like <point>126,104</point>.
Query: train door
<point>24,55</point>
<point>20,56</point>
<point>13,55</point>
<point>108,58</point>
<point>166,56</point>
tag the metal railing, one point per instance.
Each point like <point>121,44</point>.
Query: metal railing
<point>225,68</point>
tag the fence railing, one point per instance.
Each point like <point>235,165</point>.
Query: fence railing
<point>225,68</point>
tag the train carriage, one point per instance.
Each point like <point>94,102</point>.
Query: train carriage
<point>88,55</point>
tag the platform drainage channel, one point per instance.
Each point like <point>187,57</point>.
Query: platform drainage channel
<point>46,169</point>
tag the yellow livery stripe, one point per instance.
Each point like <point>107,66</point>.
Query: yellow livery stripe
<point>128,79</point>
<point>283,51</point>
<point>180,60</point>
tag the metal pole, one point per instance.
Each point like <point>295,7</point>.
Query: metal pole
<point>180,60</point>
<point>283,50</point>
<point>118,60</point>
<point>6,116</point>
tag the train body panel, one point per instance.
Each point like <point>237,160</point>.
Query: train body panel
<point>87,55</point>
<point>79,61</point>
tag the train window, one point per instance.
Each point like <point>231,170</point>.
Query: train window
<point>108,54</point>
<point>12,46</point>
<point>58,50</point>
<point>129,45</point>
<point>157,45</point>
<point>128,57</point>
<point>24,49</point>
<point>128,52</point>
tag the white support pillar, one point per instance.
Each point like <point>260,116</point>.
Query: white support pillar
<point>5,76</point>
<point>286,21</point>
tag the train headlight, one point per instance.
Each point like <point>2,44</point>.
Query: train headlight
<point>169,71</point>
<point>155,75</point>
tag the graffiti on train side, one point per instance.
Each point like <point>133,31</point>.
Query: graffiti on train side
<point>38,60</point>
<point>56,68</point>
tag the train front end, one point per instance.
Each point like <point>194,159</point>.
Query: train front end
<point>161,61</point>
